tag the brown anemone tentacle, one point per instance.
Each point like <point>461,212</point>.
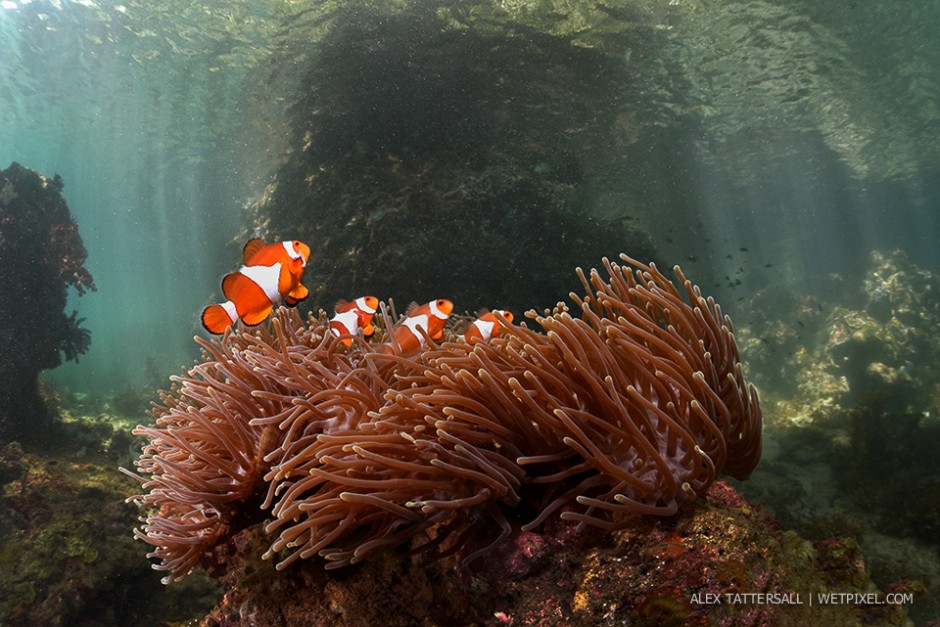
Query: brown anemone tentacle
<point>630,402</point>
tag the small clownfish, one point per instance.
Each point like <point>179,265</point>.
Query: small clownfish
<point>351,317</point>
<point>432,316</point>
<point>486,326</point>
<point>270,273</point>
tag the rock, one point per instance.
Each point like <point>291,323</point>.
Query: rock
<point>723,562</point>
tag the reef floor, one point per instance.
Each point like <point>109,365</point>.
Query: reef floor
<point>68,558</point>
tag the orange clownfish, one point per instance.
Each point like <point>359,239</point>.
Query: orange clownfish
<point>351,317</point>
<point>486,326</point>
<point>271,273</point>
<point>431,317</point>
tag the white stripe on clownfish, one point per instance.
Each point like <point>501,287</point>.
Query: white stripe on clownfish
<point>437,313</point>
<point>363,304</point>
<point>349,319</point>
<point>265,277</point>
<point>229,307</point>
<point>485,327</point>
<point>420,322</point>
<point>293,252</point>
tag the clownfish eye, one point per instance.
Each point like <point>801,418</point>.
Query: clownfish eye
<point>440,302</point>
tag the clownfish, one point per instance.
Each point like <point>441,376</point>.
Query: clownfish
<point>270,273</point>
<point>486,326</point>
<point>351,317</point>
<point>431,317</point>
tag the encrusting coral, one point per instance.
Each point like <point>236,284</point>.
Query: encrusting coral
<point>632,408</point>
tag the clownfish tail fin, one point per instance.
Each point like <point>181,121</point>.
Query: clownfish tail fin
<point>216,318</point>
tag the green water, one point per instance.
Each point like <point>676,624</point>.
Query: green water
<point>805,135</point>
<point>769,147</point>
<point>155,118</point>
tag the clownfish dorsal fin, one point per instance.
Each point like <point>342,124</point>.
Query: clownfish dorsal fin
<point>341,305</point>
<point>252,246</point>
<point>411,308</point>
<point>482,311</point>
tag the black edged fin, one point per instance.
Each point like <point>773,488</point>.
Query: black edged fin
<point>252,246</point>
<point>228,285</point>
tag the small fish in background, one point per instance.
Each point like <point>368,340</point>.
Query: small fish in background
<point>351,317</point>
<point>431,317</point>
<point>487,326</point>
<point>270,274</point>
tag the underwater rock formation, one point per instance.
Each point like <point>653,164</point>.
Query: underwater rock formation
<point>659,571</point>
<point>886,461</point>
<point>632,408</point>
<point>430,144</point>
<point>886,352</point>
<point>876,339</point>
<point>425,160</point>
<point>64,556</point>
<point>41,256</point>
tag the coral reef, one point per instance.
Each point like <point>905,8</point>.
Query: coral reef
<point>41,255</point>
<point>65,558</point>
<point>633,408</point>
<point>874,336</point>
<point>853,439</point>
<point>659,571</point>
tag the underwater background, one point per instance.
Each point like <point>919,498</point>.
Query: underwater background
<point>784,153</point>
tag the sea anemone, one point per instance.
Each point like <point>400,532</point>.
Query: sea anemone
<point>631,408</point>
